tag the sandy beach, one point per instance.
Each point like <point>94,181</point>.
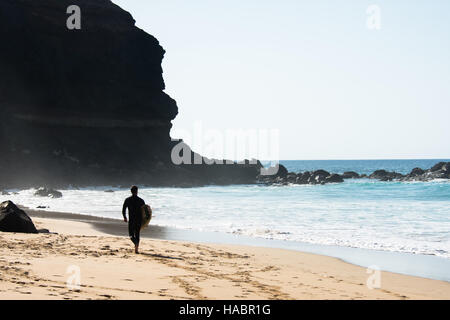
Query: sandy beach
<point>105,267</point>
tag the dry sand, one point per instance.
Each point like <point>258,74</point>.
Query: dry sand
<point>36,267</point>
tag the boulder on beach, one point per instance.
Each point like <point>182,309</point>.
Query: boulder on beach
<point>13,219</point>
<point>45,192</point>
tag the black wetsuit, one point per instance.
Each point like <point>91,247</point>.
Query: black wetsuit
<point>134,204</point>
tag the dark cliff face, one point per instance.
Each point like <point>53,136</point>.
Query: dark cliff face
<point>86,107</point>
<point>86,101</point>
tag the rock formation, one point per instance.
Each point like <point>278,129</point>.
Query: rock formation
<point>13,219</point>
<point>439,171</point>
<point>350,175</point>
<point>316,177</point>
<point>384,175</point>
<point>44,192</point>
<point>87,107</point>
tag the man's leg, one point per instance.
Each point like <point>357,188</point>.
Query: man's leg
<point>137,232</point>
<point>131,228</point>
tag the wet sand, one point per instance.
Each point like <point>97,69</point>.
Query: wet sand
<point>40,266</point>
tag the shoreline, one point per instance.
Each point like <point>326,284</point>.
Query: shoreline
<point>417,265</point>
<point>35,267</point>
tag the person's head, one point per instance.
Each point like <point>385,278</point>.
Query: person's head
<point>134,190</point>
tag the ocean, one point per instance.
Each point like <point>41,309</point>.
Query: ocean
<point>403,217</point>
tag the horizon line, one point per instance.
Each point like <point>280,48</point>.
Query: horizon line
<point>367,159</point>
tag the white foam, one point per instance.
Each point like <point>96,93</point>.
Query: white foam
<point>372,215</point>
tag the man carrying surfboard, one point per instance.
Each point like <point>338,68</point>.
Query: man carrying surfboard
<point>134,205</point>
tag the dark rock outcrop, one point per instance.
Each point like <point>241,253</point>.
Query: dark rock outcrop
<point>384,175</point>
<point>350,175</point>
<point>13,219</point>
<point>439,171</point>
<point>88,107</point>
<point>316,177</point>
<point>44,192</point>
<point>291,177</point>
<point>441,166</point>
<point>334,178</point>
<point>77,104</point>
<point>282,171</point>
<point>303,177</point>
<point>417,172</point>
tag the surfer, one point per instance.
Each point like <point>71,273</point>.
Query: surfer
<point>134,205</point>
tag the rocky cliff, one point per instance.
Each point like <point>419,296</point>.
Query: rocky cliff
<point>87,106</point>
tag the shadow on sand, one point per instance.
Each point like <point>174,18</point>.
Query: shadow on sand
<point>159,256</point>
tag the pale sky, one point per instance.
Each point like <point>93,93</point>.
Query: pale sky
<point>311,69</point>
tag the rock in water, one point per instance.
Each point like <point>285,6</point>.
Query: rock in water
<point>44,192</point>
<point>334,178</point>
<point>319,177</point>
<point>384,175</point>
<point>282,171</point>
<point>416,172</point>
<point>303,177</point>
<point>13,219</point>
<point>440,166</point>
<point>440,170</point>
<point>350,175</point>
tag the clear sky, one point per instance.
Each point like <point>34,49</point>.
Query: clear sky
<point>334,88</point>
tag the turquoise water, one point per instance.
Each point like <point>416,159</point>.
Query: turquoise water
<point>360,166</point>
<point>406,217</point>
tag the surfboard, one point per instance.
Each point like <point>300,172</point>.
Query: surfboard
<point>146,215</point>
